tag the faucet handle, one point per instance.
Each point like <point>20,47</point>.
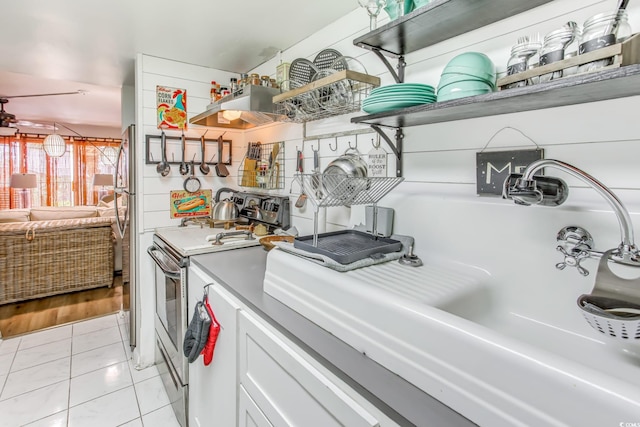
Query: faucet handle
<point>580,245</point>
<point>573,259</point>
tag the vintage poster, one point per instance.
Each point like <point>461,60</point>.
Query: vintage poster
<point>185,204</point>
<point>171,108</point>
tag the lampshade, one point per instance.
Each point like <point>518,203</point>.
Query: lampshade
<point>103,179</point>
<point>23,180</point>
<point>110,154</point>
<point>54,145</point>
<point>5,131</point>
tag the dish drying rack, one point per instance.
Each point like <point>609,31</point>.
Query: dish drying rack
<point>259,169</point>
<point>331,190</point>
<point>333,94</point>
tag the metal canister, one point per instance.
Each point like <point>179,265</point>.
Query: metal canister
<point>254,79</point>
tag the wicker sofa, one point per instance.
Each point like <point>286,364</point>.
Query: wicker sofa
<point>49,251</point>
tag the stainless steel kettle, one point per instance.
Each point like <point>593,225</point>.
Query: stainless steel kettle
<point>225,210</point>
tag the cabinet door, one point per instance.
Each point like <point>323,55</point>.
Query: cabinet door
<point>249,415</point>
<point>286,388</point>
<point>213,388</point>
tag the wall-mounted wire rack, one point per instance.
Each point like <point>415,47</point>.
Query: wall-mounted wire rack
<point>193,152</point>
<point>263,166</point>
<point>330,94</point>
<point>331,190</point>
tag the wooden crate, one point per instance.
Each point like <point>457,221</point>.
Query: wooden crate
<point>625,53</point>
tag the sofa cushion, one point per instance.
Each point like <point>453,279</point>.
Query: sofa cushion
<point>111,211</point>
<point>53,213</point>
<point>14,215</point>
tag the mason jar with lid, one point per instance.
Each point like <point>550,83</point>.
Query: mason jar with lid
<point>554,48</point>
<point>521,60</point>
<point>601,31</point>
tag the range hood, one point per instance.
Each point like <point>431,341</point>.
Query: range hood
<point>249,107</point>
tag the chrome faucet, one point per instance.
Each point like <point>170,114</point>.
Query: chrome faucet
<point>529,189</point>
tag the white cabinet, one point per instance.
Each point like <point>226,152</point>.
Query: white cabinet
<point>213,388</point>
<point>260,378</point>
<point>249,415</point>
<point>286,387</point>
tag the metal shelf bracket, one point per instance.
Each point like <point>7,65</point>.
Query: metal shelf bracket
<point>397,75</point>
<point>396,148</point>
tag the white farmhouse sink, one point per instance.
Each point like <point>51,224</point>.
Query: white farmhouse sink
<point>442,328</point>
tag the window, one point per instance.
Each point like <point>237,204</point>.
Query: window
<point>62,181</point>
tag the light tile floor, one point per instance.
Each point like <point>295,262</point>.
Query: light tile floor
<point>79,375</point>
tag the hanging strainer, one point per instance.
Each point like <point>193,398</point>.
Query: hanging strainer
<point>613,306</point>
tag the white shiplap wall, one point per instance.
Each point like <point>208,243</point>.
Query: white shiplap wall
<point>153,190</point>
<point>437,203</point>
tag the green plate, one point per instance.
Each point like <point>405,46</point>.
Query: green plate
<point>388,106</point>
<point>404,87</point>
<point>390,98</point>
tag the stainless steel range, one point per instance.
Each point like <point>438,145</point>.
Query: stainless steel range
<point>171,249</point>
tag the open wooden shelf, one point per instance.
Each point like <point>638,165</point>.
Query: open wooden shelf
<point>598,86</point>
<point>438,21</point>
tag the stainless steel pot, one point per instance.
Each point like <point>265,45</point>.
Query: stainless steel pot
<point>337,181</point>
<point>224,210</point>
<point>348,164</point>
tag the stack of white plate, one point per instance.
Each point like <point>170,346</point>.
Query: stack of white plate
<point>399,95</point>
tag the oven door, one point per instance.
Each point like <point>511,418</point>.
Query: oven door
<point>171,306</point>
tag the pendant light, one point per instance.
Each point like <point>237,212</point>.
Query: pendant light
<point>54,144</point>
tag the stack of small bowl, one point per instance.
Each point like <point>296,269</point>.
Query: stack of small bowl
<point>468,74</point>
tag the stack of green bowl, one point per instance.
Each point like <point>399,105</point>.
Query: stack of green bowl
<point>468,74</point>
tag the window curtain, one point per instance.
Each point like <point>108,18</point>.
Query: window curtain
<point>62,181</point>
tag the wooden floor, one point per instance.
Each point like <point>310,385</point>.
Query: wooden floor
<point>28,316</point>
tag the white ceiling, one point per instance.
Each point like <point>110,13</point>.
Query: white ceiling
<point>68,45</point>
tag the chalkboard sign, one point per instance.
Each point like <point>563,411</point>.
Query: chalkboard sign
<point>492,168</point>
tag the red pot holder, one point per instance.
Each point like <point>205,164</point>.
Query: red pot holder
<point>214,330</point>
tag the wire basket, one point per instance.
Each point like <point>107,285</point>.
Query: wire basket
<point>330,94</point>
<point>260,169</point>
<point>328,190</point>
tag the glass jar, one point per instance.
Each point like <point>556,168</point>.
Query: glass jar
<point>265,81</point>
<point>522,58</point>
<point>233,84</point>
<point>254,79</point>
<point>601,31</point>
<point>244,80</point>
<point>554,48</point>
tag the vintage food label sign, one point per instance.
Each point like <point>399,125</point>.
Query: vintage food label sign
<point>185,204</point>
<point>377,162</point>
<point>171,108</point>
<point>492,168</point>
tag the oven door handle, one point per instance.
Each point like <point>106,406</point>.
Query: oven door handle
<point>172,271</point>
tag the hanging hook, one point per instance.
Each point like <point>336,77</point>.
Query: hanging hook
<point>313,149</point>
<point>206,289</point>
<point>334,149</point>
<point>205,132</point>
<point>354,148</point>
<point>376,144</point>
<point>221,135</point>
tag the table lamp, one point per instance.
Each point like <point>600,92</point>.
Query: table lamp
<point>24,182</point>
<point>102,180</point>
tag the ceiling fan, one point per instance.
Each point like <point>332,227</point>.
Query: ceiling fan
<point>9,120</point>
